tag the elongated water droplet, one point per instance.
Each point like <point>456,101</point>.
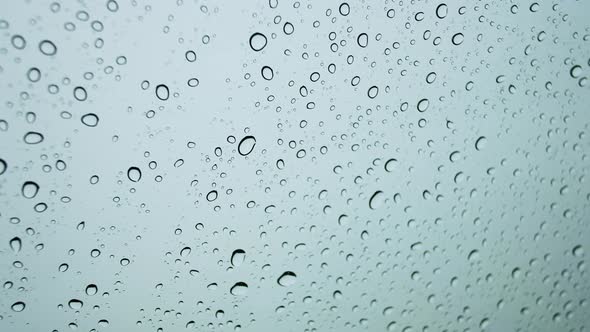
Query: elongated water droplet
<point>15,244</point>
<point>238,257</point>
<point>376,200</point>
<point>29,189</point>
<point>246,145</point>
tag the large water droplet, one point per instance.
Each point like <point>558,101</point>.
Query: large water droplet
<point>246,145</point>
<point>15,244</point>
<point>288,278</point>
<point>29,189</point>
<point>18,306</point>
<point>162,92</point>
<point>480,143</point>
<point>91,290</point>
<point>238,257</point>
<point>134,174</point>
<point>75,304</point>
<point>90,119</point>
<point>185,252</point>
<point>239,288</point>
<point>33,137</point>
<point>257,41</point>
<point>376,200</point>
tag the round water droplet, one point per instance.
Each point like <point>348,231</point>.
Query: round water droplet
<point>344,9</point>
<point>238,257</point>
<point>47,47</point>
<point>134,174</point>
<point>257,41</point>
<point>390,165</point>
<point>442,11</point>
<point>267,73</point>
<point>91,290</point>
<point>80,93</point>
<point>288,278</point>
<point>373,91</point>
<point>246,145</point>
<point>18,42</point>
<point>75,304</point>
<point>480,143</point>
<point>29,189</point>
<point>34,74</point>
<point>162,92</point>
<point>376,200</point>
<point>15,244</point>
<point>90,119</point>
<point>457,39</point>
<point>33,137</point>
<point>578,251</point>
<point>193,82</point>
<point>18,306</point>
<point>212,195</point>
<point>239,289</point>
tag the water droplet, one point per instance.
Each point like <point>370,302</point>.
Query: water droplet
<point>34,74</point>
<point>134,174</point>
<point>18,306</point>
<point>457,39</point>
<point>91,290</point>
<point>15,244</point>
<point>376,200</point>
<point>267,73</point>
<point>239,289</point>
<point>372,92</point>
<point>47,47</point>
<point>162,92</point>
<point>29,189</point>
<point>288,278</point>
<point>18,42</point>
<point>362,40</point>
<point>480,143</point>
<point>90,119</point>
<point>257,41</point>
<point>390,165</point>
<point>33,137</point>
<point>246,145</point>
<point>184,252</point>
<point>238,257</point>
<point>344,9</point>
<point>423,105</point>
<point>80,93</point>
<point>212,195</point>
<point>442,11</point>
<point>75,304</point>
